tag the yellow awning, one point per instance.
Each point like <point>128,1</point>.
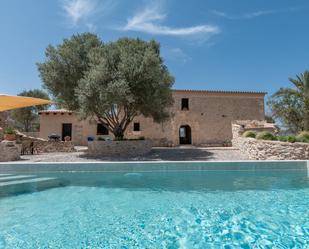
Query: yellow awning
<point>8,102</point>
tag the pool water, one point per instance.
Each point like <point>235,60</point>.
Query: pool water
<point>188,209</point>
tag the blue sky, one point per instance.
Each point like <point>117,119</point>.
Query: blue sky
<point>207,44</point>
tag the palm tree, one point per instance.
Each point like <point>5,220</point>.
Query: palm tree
<point>299,92</point>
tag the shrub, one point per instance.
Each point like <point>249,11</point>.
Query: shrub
<point>303,137</point>
<point>265,135</point>
<point>101,139</point>
<point>283,138</point>
<point>9,130</point>
<point>291,139</point>
<point>251,134</point>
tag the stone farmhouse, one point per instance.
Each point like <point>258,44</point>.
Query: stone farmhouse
<point>200,117</point>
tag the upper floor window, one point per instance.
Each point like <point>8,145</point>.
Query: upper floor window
<point>136,127</point>
<point>102,130</point>
<point>185,104</point>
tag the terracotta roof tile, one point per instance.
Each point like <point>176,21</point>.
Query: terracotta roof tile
<point>219,91</point>
<point>56,111</point>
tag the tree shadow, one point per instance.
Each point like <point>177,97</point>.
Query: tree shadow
<point>162,154</point>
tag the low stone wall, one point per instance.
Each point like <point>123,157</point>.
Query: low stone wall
<point>35,134</point>
<point>40,145</point>
<point>52,146</point>
<point>44,146</point>
<point>267,150</point>
<point>127,148</point>
<point>9,152</point>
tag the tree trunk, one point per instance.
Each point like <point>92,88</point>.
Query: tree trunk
<point>118,133</point>
<point>306,121</point>
<point>306,117</point>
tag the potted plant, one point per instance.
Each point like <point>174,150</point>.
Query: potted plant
<point>67,138</point>
<point>227,144</point>
<point>9,134</point>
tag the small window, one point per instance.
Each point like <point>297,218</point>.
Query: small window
<point>184,104</point>
<point>136,127</point>
<point>102,130</point>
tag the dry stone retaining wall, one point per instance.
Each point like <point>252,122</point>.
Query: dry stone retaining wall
<point>267,150</point>
<point>9,152</point>
<point>42,145</point>
<point>129,148</point>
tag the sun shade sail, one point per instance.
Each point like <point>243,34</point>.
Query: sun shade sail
<point>8,102</point>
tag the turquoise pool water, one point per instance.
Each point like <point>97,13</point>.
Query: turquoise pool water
<point>186,209</point>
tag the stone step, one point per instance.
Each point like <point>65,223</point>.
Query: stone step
<point>15,187</point>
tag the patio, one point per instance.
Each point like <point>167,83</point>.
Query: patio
<point>189,153</point>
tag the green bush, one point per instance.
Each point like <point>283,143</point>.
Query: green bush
<point>303,137</point>
<point>9,130</point>
<point>291,139</point>
<point>265,135</point>
<point>101,139</point>
<point>282,138</point>
<point>251,134</point>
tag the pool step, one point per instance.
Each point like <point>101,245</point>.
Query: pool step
<point>23,185</point>
<point>14,177</point>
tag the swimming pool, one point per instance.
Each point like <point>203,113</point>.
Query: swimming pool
<point>155,205</point>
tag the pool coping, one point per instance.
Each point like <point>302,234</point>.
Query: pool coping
<point>140,166</point>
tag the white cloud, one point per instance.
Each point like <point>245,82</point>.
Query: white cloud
<point>220,13</point>
<point>259,13</point>
<point>176,55</point>
<point>76,10</point>
<point>148,21</point>
<point>255,14</point>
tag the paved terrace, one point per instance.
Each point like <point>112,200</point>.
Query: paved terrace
<point>157,154</point>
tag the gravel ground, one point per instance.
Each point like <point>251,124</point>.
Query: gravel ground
<point>157,154</point>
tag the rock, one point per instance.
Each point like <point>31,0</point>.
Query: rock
<point>9,151</point>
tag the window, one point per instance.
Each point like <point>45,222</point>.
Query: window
<point>102,130</point>
<point>184,104</point>
<point>136,127</point>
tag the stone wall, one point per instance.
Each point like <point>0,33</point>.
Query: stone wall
<point>42,145</point>
<point>32,133</point>
<point>266,150</point>
<point>9,152</point>
<point>127,148</point>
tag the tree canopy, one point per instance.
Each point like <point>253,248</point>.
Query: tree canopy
<point>65,65</point>
<point>291,105</point>
<point>119,80</point>
<point>27,118</point>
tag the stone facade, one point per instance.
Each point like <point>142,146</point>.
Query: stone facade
<point>206,121</point>
<point>127,148</point>
<point>266,150</point>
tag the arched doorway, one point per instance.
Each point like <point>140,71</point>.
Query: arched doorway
<point>185,134</point>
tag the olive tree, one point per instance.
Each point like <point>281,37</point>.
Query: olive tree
<point>114,82</point>
<point>126,78</point>
<point>65,65</point>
